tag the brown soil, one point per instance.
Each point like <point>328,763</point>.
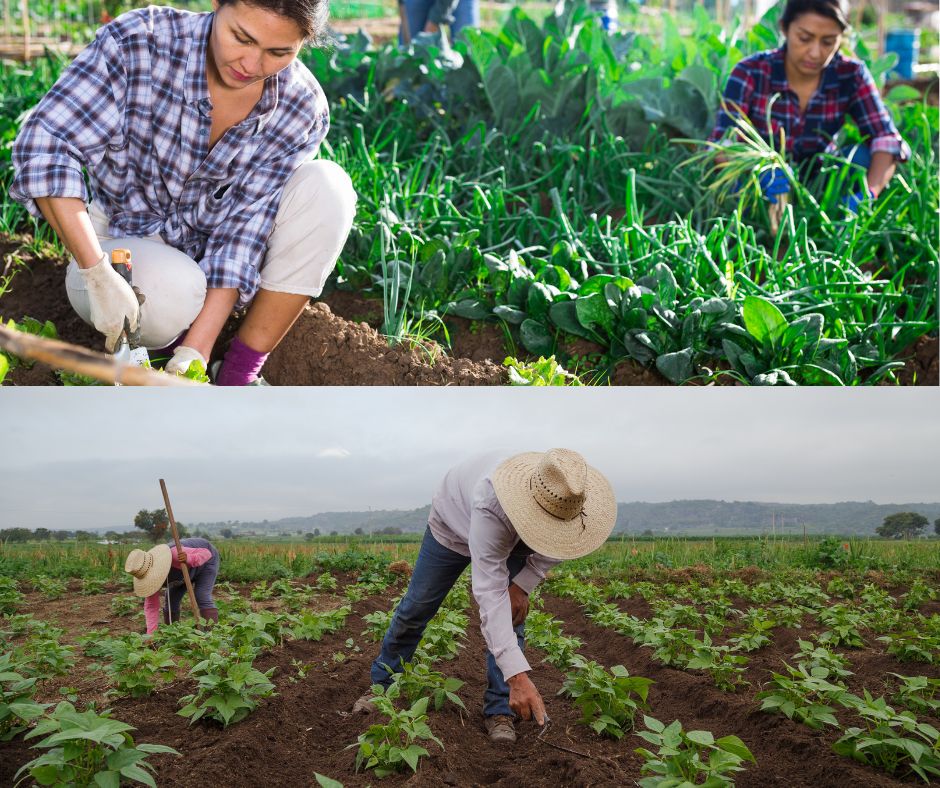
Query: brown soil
<point>921,363</point>
<point>787,752</point>
<point>307,726</point>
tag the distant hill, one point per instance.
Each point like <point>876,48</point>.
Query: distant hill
<point>687,518</point>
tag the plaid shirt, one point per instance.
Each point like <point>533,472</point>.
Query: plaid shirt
<point>134,109</point>
<point>846,88</point>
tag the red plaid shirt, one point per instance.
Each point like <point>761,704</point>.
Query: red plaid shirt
<point>846,88</point>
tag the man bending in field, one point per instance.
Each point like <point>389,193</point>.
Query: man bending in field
<point>511,520</point>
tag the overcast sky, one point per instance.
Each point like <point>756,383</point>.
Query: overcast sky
<point>92,458</point>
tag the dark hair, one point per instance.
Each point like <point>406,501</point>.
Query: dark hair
<point>836,10</point>
<point>309,15</point>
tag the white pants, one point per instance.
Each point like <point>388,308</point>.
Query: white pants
<point>314,217</point>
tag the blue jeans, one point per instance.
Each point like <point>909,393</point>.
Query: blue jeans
<point>467,14</point>
<point>435,573</point>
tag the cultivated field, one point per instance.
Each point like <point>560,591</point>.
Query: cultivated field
<point>819,660</point>
<point>538,190</point>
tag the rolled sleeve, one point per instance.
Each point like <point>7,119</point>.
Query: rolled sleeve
<point>71,126</point>
<point>490,542</point>
<point>874,121</point>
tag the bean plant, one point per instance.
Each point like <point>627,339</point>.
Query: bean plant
<point>689,757</point>
<point>87,748</point>
<point>608,700</point>
<point>228,689</point>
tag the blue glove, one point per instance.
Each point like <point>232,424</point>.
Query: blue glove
<point>852,201</point>
<point>773,183</point>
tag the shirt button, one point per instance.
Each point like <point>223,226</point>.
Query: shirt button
<point>203,132</point>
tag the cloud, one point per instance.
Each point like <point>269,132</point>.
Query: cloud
<point>334,452</point>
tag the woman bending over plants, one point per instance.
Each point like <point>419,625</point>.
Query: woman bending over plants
<point>805,90</point>
<point>198,134</point>
<point>157,573</point>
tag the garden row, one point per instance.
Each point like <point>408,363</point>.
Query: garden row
<point>582,226</point>
<point>695,650</point>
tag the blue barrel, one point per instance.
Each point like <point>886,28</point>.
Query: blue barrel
<point>906,45</point>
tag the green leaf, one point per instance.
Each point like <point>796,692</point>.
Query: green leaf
<point>677,367</point>
<point>764,321</point>
<point>536,338</point>
<point>735,746</point>
<point>110,779</point>
<point>139,775</point>
<point>326,782</point>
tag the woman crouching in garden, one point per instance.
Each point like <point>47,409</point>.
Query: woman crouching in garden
<point>810,90</point>
<point>198,133</point>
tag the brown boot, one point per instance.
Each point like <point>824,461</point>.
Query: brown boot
<point>210,614</point>
<point>500,729</point>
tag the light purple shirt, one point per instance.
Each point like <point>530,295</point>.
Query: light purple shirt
<point>466,517</point>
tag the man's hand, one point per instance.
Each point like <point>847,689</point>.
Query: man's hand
<point>111,299</point>
<point>519,600</point>
<point>182,557</point>
<point>524,698</point>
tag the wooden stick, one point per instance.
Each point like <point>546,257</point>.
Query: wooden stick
<point>62,355</point>
<point>179,551</point>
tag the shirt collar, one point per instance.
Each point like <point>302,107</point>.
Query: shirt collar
<point>196,84</point>
<point>778,72</point>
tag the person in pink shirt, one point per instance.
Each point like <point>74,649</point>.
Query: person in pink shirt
<point>158,575</point>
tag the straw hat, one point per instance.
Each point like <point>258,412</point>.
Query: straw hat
<point>559,505</point>
<point>149,568</point>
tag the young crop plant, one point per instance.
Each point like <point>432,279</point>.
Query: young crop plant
<point>418,680</point>
<point>686,758</point>
<point>917,595</point>
<point>86,748</point>
<point>913,646</point>
<point>10,596</point>
<point>92,586</point>
<point>787,615</point>
<point>326,582</point>
<point>812,656</point>
<point>920,694</point>
<point>757,634</point>
<point>844,624</point>
<point>799,696</point>
<point>377,624</point>
<point>443,635</point>
<point>673,647</point>
<point>608,701</point>
<point>391,746</point>
<point>725,668</point>
<point>313,626</point>
<point>137,670</point>
<point>544,632</point>
<point>49,587</point>
<point>125,606</point>
<point>892,741</point>
<point>228,689</point>
<point>42,655</point>
<point>17,707</point>
<point>261,591</point>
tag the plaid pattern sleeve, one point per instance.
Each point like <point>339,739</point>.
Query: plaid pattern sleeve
<point>135,110</point>
<point>737,98</point>
<point>872,118</point>
<point>71,127</point>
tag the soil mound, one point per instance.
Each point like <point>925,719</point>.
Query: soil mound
<point>323,349</point>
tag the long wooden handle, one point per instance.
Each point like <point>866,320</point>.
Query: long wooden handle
<point>179,551</point>
<point>62,355</point>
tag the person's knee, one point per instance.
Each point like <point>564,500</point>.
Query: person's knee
<point>173,285</point>
<point>323,189</point>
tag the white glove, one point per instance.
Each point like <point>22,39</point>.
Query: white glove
<point>182,357</point>
<point>111,300</point>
